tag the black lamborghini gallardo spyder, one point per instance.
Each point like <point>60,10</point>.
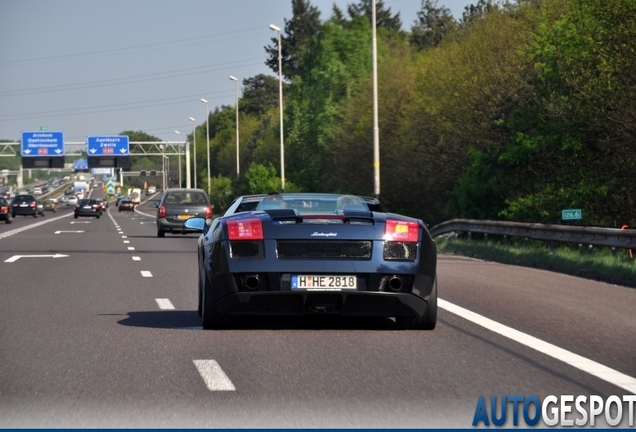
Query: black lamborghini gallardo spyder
<point>295,254</point>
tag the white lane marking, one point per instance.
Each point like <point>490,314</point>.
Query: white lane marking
<point>136,258</point>
<point>124,236</point>
<point>146,273</point>
<point>213,375</point>
<point>131,248</point>
<point>14,258</point>
<point>126,241</point>
<point>28,227</point>
<point>75,232</point>
<point>598,370</point>
<point>164,304</point>
<point>83,222</point>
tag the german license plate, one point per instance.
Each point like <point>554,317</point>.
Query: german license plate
<point>185,216</point>
<point>324,282</point>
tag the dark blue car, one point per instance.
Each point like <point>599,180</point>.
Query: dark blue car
<point>300,254</point>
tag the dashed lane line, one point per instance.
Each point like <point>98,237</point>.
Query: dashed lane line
<point>213,376</point>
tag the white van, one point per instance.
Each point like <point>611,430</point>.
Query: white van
<point>135,196</point>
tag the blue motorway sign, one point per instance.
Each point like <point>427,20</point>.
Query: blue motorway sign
<point>42,143</point>
<point>108,145</point>
<point>80,164</point>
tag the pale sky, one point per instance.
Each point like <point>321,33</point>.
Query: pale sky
<point>89,67</point>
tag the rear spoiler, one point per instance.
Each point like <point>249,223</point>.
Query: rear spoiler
<point>346,215</point>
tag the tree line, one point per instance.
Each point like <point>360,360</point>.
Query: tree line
<point>515,111</point>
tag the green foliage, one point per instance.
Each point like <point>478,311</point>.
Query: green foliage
<point>433,24</point>
<point>221,192</point>
<point>304,25</point>
<point>262,179</point>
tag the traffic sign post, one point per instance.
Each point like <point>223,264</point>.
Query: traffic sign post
<point>571,214</point>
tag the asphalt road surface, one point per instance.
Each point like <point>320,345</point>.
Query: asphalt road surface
<point>98,328</point>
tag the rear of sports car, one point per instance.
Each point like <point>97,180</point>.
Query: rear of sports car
<point>353,263</point>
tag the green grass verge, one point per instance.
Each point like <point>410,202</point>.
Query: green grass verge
<point>602,265</point>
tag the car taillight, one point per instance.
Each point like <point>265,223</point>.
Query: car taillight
<point>96,206</point>
<point>32,204</point>
<point>209,213</point>
<point>245,229</point>
<point>77,206</point>
<point>162,211</point>
<point>4,208</point>
<point>404,231</point>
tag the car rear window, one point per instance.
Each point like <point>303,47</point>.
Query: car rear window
<point>23,198</point>
<point>186,198</point>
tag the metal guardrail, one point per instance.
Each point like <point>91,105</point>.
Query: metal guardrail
<point>585,235</point>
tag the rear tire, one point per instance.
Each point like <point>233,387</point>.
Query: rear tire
<point>427,321</point>
<point>161,233</point>
<point>76,216</point>
<point>9,219</point>
<point>211,318</point>
<point>35,214</point>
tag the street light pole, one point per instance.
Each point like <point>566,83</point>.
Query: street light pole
<point>207,135</point>
<point>280,97</point>
<point>237,127</point>
<point>376,128</point>
<point>194,145</point>
<point>179,151</point>
<point>163,167</point>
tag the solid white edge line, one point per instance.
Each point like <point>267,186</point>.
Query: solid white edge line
<point>596,369</point>
<point>164,304</point>
<point>213,376</point>
<point>146,273</point>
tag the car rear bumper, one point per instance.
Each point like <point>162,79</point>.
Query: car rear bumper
<point>87,213</point>
<point>29,211</point>
<point>271,293</point>
<point>173,227</point>
<point>316,302</point>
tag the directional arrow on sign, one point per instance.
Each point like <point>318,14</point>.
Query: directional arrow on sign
<point>14,258</point>
<point>27,151</point>
<point>93,150</point>
<point>58,151</point>
<point>123,151</point>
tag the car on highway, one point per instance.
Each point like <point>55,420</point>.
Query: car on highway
<point>178,205</point>
<point>24,204</point>
<point>50,205</point>
<point>5,211</point>
<point>321,254</point>
<point>126,205</point>
<point>151,190</point>
<point>71,200</point>
<point>88,207</point>
<point>103,202</point>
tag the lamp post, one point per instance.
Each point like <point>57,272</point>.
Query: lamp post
<point>179,151</point>
<point>194,145</point>
<point>167,181</point>
<point>237,127</point>
<point>376,128</point>
<point>163,167</point>
<point>280,97</point>
<point>207,135</point>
